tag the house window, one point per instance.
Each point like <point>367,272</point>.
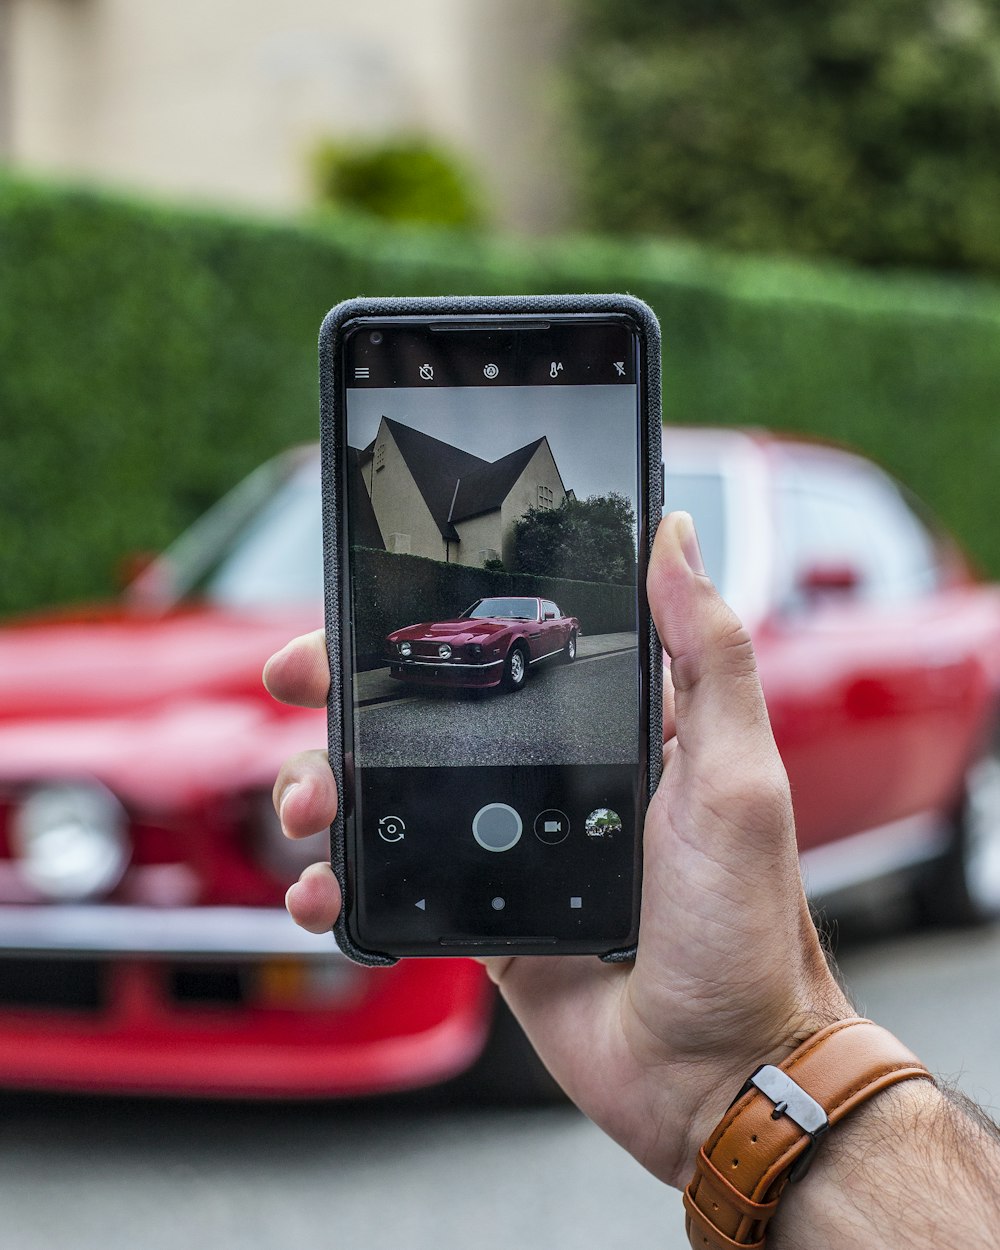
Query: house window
<point>380,457</point>
<point>544,496</point>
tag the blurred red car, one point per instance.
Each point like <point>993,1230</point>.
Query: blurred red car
<point>143,944</point>
<point>493,641</point>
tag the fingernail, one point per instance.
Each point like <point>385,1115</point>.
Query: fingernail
<point>282,802</point>
<point>690,547</point>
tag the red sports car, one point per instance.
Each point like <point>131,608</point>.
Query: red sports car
<point>492,642</point>
<point>143,942</point>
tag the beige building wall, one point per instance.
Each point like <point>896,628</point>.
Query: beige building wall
<point>540,470</point>
<point>480,539</point>
<point>404,519</point>
<point>223,100</point>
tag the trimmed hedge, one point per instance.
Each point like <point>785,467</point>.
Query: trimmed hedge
<point>408,589</point>
<point>865,130</point>
<point>150,357</point>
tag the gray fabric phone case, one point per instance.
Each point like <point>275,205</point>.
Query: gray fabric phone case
<point>332,419</point>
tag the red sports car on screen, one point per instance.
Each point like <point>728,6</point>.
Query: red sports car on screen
<point>492,642</point>
<point>143,942</point>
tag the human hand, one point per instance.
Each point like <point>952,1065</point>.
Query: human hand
<point>729,972</point>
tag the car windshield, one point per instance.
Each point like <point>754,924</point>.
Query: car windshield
<point>507,609</point>
<point>260,547</point>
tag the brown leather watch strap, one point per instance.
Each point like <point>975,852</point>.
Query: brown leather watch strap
<point>769,1134</point>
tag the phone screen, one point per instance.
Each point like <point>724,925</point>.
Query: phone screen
<point>493,489</point>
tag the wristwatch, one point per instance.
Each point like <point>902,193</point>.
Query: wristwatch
<point>772,1129</point>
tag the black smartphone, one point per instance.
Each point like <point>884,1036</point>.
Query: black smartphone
<point>492,480</point>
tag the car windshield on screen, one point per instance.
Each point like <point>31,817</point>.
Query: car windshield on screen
<point>507,609</point>
<point>260,547</point>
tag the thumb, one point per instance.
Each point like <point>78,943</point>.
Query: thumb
<point>720,716</point>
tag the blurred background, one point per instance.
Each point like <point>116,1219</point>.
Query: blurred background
<point>809,198</point>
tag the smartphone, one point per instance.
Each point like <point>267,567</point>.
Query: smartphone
<point>492,480</point>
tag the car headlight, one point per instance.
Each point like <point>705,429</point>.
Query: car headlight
<point>284,858</point>
<point>444,651</point>
<point>475,650</point>
<point>71,840</point>
<point>405,648</point>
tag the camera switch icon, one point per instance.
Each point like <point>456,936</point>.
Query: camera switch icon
<point>391,829</point>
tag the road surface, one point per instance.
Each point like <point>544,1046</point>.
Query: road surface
<point>96,1175</point>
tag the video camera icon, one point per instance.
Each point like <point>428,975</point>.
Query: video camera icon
<point>552,826</point>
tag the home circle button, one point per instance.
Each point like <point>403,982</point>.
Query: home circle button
<point>496,827</point>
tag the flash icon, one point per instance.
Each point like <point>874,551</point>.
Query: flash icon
<point>620,368</point>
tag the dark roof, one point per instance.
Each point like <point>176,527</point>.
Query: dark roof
<point>484,489</point>
<point>454,484</point>
<point>436,468</point>
<point>364,527</point>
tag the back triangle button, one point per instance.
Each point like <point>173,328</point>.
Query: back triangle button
<point>422,904</point>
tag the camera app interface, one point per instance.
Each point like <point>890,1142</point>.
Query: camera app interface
<point>492,503</point>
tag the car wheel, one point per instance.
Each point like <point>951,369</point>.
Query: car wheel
<point>515,672</point>
<point>569,651</point>
<point>508,1072</point>
<point>963,888</point>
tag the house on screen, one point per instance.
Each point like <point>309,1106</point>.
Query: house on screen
<point>416,495</point>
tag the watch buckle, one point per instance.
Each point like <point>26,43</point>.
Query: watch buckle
<point>790,1100</point>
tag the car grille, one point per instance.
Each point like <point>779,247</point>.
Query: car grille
<point>56,984</point>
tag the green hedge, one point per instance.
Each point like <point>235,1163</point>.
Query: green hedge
<point>408,589</point>
<point>150,357</point>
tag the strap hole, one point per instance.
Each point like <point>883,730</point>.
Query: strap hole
<point>754,1138</point>
<point>736,1163</point>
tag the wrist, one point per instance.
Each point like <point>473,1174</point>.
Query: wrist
<point>779,1123</point>
<point>725,1074</point>
<point>855,1168</point>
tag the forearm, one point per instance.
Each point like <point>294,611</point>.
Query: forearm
<point>913,1168</point>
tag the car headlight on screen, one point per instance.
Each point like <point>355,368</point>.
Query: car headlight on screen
<point>444,651</point>
<point>71,840</point>
<point>405,648</point>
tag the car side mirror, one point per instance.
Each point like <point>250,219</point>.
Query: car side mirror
<point>549,616</point>
<point>826,581</point>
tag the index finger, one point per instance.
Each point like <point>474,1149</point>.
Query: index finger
<point>300,672</point>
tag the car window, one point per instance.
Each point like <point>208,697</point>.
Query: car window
<point>845,515</point>
<point>261,546</point>
<point>549,606</point>
<point>505,609</point>
<point>703,495</point>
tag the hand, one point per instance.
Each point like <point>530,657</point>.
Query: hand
<point>729,972</point>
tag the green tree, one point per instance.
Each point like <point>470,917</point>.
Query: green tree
<point>862,129</point>
<point>407,179</point>
<point>590,540</point>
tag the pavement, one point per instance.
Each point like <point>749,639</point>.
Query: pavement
<point>376,686</point>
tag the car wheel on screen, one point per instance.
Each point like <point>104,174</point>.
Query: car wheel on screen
<point>964,887</point>
<point>515,672</point>
<point>569,651</point>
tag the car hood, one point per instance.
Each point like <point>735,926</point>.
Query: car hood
<point>167,708</point>
<point>461,630</point>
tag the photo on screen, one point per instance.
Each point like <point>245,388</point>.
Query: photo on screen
<point>492,542</point>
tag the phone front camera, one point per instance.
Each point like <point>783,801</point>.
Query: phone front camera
<point>375,338</point>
